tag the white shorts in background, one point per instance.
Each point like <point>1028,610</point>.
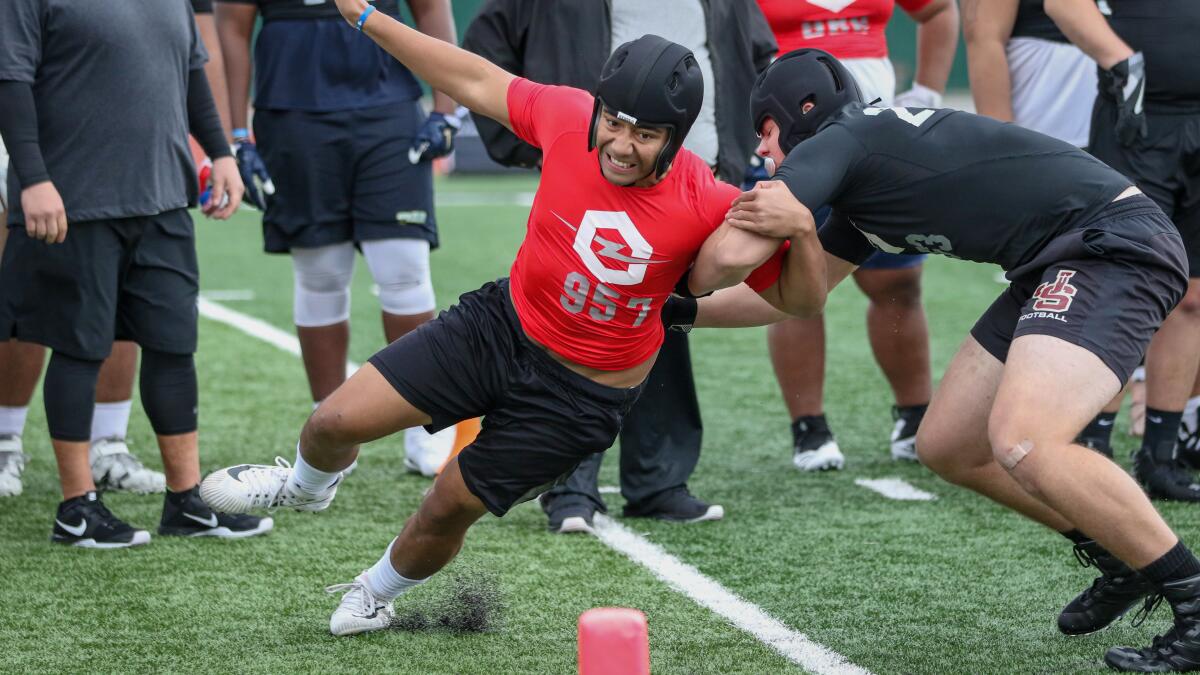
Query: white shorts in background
<point>3,179</point>
<point>1053,88</point>
<point>876,78</point>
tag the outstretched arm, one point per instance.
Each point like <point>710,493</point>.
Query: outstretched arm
<point>1084,25</point>
<point>469,79</point>
<point>741,307</point>
<point>987,26</point>
<point>937,40</point>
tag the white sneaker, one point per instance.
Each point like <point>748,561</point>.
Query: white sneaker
<point>359,611</point>
<point>827,456</point>
<point>12,463</point>
<point>115,468</point>
<point>426,453</point>
<point>247,487</point>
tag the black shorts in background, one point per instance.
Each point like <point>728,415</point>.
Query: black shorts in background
<point>540,419</point>
<point>344,176</point>
<point>1106,287</point>
<point>1165,166</point>
<point>125,279</point>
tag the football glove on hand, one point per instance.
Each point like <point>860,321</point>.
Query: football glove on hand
<point>254,174</point>
<point>435,139</point>
<point>1126,82</point>
<point>919,96</point>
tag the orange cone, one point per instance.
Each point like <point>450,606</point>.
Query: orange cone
<point>464,435</point>
<point>613,641</point>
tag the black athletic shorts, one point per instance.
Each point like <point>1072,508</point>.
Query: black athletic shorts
<point>1165,165</point>
<point>344,176</point>
<point>125,279</point>
<point>540,419</point>
<point>1106,287</point>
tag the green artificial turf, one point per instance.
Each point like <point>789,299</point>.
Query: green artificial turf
<point>955,585</point>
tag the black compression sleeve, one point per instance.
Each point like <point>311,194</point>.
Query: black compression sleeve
<point>203,120</point>
<point>19,127</point>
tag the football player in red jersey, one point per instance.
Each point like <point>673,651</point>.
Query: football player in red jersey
<point>554,357</point>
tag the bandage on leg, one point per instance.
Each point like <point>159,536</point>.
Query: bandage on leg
<point>1010,457</point>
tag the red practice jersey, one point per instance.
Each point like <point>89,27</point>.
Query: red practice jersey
<point>598,259</point>
<point>848,29</point>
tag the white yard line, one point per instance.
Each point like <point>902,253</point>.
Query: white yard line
<point>679,575</point>
<point>894,488</point>
<point>229,295</point>
<point>609,490</point>
<point>687,580</point>
<point>449,198</point>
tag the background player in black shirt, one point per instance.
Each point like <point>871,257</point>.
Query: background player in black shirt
<point>1146,124</point>
<point>1081,247</point>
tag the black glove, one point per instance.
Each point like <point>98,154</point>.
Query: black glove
<point>1126,82</point>
<point>679,313</point>
<point>435,139</point>
<point>254,174</point>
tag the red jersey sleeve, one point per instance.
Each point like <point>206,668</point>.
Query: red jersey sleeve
<point>719,198</point>
<point>540,113</point>
<point>911,6</point>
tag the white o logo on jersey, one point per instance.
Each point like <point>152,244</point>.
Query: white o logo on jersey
<point>640,249</point>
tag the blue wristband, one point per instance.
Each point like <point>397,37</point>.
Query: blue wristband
<point>241,134</point>
<point>362,18</point>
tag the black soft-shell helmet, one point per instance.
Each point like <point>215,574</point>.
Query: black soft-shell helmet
<point>799,77</point>
<point>651,82</point>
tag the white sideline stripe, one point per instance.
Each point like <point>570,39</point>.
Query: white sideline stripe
<point>256,328</point>
<point>229,295</point>
<point>609,490</point>
<point>447,198</point>
<point>679,575</point>
<point>684,578</point>
<point>894,488</point>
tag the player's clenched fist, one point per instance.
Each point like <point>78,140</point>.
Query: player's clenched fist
<point>45,215</point>
<point>770,209</point>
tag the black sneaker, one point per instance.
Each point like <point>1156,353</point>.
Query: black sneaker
<point>1113,593</point>
<point>1168,479</point>
<point>1188,448</point>
<point>813,445</point>
<point>186,515</point>
<point>677,506</point>
<point>85,521</point>
<point>904,432</point>
<point>1177,650</point>
<point>567,516</point>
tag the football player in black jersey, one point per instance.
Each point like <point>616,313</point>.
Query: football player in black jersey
<point>1082,248</point>
<point>1146,124</point>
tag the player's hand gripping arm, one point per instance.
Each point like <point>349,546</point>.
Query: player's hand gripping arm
<point>987,26</point>
<point>771,210</point>
<point>1123,71</point>
<point>937,39</point>
<point>465,77</point>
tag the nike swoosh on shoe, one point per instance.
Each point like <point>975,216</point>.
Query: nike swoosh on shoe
<point>210,521</point>
<point>235,471</point>
<point>76,530</point>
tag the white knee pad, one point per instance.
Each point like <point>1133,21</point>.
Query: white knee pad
<point>401,270</point>
<point>322,284</point>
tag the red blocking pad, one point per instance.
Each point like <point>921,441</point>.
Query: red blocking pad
<point>613,641</point>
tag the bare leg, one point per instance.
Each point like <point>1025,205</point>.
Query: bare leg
<point>953,440</point>
<point>1174,354</point>
<point>898,331</point>
<point>434,534</point>
<point>115,382</point>
<point>20,368</point>
<point>797,349</point>
<point>363,409</point>
<point>1032,428</point>
<point>74,472</point>
<point>324,350</point>
<point>181,460</point>
<point>396,326</point>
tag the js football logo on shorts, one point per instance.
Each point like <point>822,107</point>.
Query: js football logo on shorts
<point>1057,296</point>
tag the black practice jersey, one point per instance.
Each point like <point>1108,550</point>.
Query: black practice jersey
<point>1032,21</point>
<point>908,180</point>
<point>1168,33</point>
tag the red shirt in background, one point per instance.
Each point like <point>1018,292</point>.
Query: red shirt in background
<point>598,259</point>
<point>848,29</point>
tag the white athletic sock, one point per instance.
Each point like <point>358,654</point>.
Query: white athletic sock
<point>384,582</point>
<point>111,420</point>
<point>1192,404</point>
<point>12,420</point>
<point>310,480</point>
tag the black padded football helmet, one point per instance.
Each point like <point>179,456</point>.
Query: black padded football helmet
<point>651,82</point>
<point>798,77</point>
